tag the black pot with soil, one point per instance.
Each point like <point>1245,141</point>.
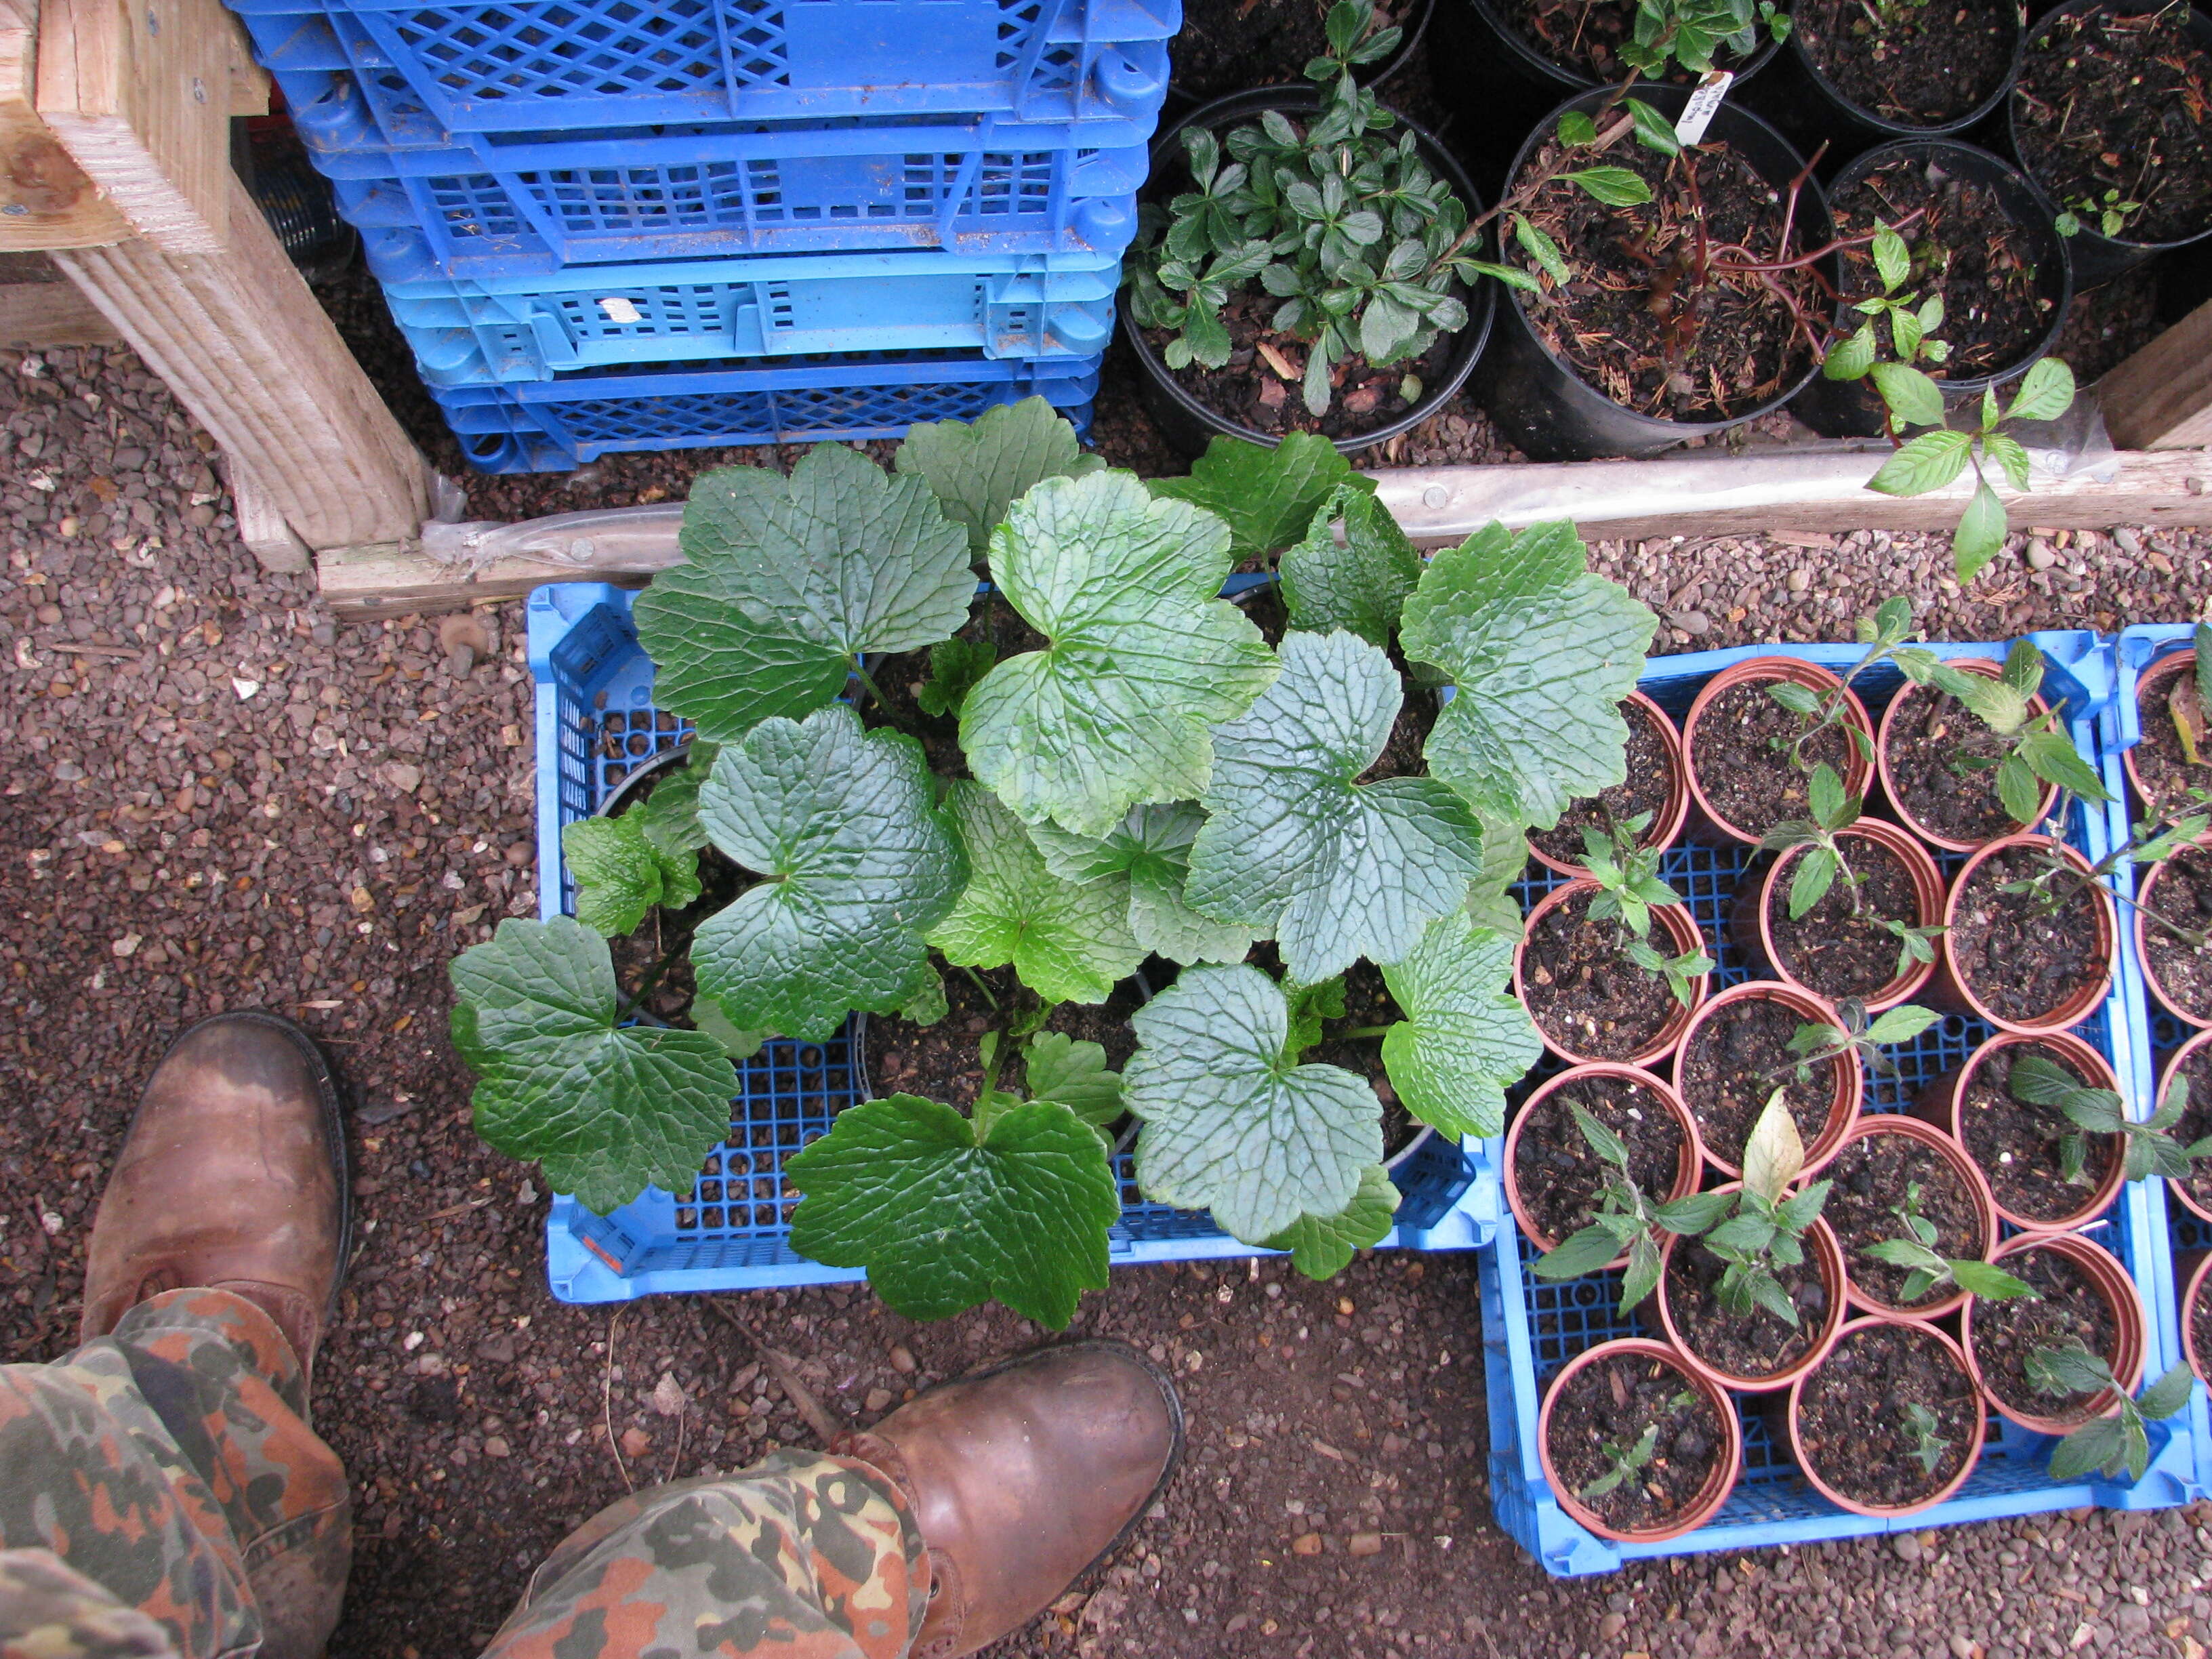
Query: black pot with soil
<point>1226,46</point>
<point>1984,243</point>
<point>1249,399</point>
<point>2109,111</point>
<point>1637,354</point>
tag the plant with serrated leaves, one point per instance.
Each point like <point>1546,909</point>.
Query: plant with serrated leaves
<point>1680,973</point>
<point>1911,321</point>
<point>1627,875</point>
<point>1861,1036</point>
<point>2111,213</point>
<point>1689,32</point>
<point>1927,1269</point>
<point>1830,808</point>
<point>2112,1444</point>
<point>2057,879</point>
<point>1627,1222</point>
<point>1769,1226</point>
<point>2037,750</point>
<point>2038,1081</point>
<point>1920,1425</point>
<point>1884,634</point>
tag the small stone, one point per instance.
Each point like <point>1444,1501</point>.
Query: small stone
<point>1306,1543</point>
<point>1364,1543</point>
<point>902,1359</point>
<point>1611,1626</point>
<point>2131,1618</point>
<point>2128,542</point>
<point>1907,1546</point>
<point>324,634</point>
<point>668,1397</point>
<point>2040,556</point>
<point>1963,1646</point>
<point>1693,623</point>
<point>879,1399</point>
<point>1800,581</point>
<point>494,1446</point>
<point>635,1442</point>
<point>403,777</point>
<point>48,615</point>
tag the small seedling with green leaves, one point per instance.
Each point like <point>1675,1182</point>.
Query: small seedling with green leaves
<point>2105,1445</point>
<point>1884,634</point>
<point>2038,751</point>
<point>2150,1150</point>
<point>1920,1425</point>
<point>1816,1041</point>
<point>1831,808</point>
<point>2109,213</point>
<point>1627,1222</point>
<point>2153,840</point>
<point>1689,32</point>
<point>1681,973</point>
<point>1912,320</point>
<point>1626,1460</point>
<point>1927,1269</point>
<point>1627,876</point>
<point>1768,1227</point>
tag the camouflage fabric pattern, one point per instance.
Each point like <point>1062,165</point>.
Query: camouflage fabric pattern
<point>49,1610</point>
<point>802,1556</point>
<point>171,1465</point>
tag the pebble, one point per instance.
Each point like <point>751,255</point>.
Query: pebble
<point>635,1442</point>
<point>1363,1543</point>
<point>497,1446</point>
<point>1610,1626</point>
<point>902,1360</point>
<point>1906,1544</point>
<point>2128,542</point>
<point>1799,580</point>
<point>1306,1543</point>
<point>879,1400</point>
<point>2040,556</point>
<point>1693,623</point>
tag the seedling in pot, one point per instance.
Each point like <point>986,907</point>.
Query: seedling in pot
<point>1769,1225</point>
<point>1884,634</point>
<point>2153,841</point>
<point>1920,1424</point>
<point>1681,973</point>
<point>2109,213</point>
<point>2036,1081</point>
<point>2105,1445</point>
<point>2037,749</point>
<point>1816,1041</point>
<point>1627,1222</point>
<point>1832,808</point>
<point>1914,1250</point>
<point>1626,1460</point>
<point>1911,321</point>
<point>1629,887</point>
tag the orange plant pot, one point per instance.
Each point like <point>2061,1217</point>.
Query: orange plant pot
<point>1857,771</point>
<point>1683,931</point>
<point>1847,1091</point>
<point>1938,1103</point>
<point>1822,1251</point>
<point>1807,1467</point>
<point>1987,670</point>
<point>1751,920</point>
<point>1718,1485</point>
<point>2126,1360</point>
<point>1950,987</point>
<point>1689,1162</point>
<point>1913,1128</point>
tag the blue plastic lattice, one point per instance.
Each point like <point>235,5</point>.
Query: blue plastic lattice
<point>595,723</point>
<point>426,72</point>
<point>1532,1327</point>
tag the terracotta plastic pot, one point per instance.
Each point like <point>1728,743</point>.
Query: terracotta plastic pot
<point>1811,1472</point>
<point>2143,928</point>
<point>1846,1093</point>
<point>2152,688</point>
<point>2119,1293</point>
<point>1822,1251</point>
<point>1751,920</point>
<point>1718,1485</point>
<point>1689,1163</point>
<point>1856,771</point>
<point>1680,929</point>
<point>2173,1068</point>
<point>2191,1269</point>
<point>1987,670</point>
<point>1937,1104</point>
<point>1913,1128</point>
<point>1949,988</point>
<point>1666,824</point>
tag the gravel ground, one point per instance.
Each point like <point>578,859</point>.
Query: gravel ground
<point>217,797</point>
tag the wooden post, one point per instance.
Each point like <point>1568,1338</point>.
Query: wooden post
<point>46,200</point>
<point>2161,397</point>
<point>50,314</point>
<point>261,525</point>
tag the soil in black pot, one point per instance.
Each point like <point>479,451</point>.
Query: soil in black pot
<point>1226,46</point>
<point>1756,1344</point>
<point>2182,894</point>
<point>1914,63</point>
<point>1840,947</point>
<point>2068,1307</point>
<point>1584,993</point>
<point>1966,249</point>
<point>1943,763</point>
<point>1852,1419</point>
<point>2195,1123</point>
<point>2020,958</point>
<point>1874,1177</point>
<point>2161,762</point>
<point>1585,36</point>
<point>1559,1175</point>
<point>1637,322</point>
<point>1742,760</point>
<point>2117,99</point>
<point>2016,1145</point>
<point>1644,790</point>
<point>941,1062</point>
<point>1612,1402</point>
<point>1732,1065</point>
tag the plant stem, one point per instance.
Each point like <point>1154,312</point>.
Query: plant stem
<point>868,684</point>
<point>982,987</point>
<point>649,985</point>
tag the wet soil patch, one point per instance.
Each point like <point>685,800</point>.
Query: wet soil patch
<point>1840,947</point>
<point>1560,1177</point>
<point>1586,36</point>
<point>1646,788</point>
<point>1733,1064</point>
<point>1852,1415</point>
<point>2196,1123</point>
<point>2163,765</point>
<point>2117,99</point>
<point>1876,1178</point>
<point>1584,993</point>
<point>2069,1308</point>
<point>1612,1404</point>
<point>1917,65</point>
<point>2022,959</point>
<point>1943,763</point>
<point>1756,1344</point>
<point>1637,322</point>
<point>2016,1145</point>
<point>2181,893</point>
<point>1741,755</point>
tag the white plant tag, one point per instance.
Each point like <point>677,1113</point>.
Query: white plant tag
<point>620,310</point>
<point>1697,113</point>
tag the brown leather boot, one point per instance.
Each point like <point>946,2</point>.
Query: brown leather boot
<point>232,1177</point>
<point>1022,1478</point>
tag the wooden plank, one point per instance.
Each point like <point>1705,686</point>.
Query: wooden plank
<point>139,94</point>
<point>244,345</point>
<point>2161,397</point>
<point>46,200</point>
<point>50,314</point>
<point>261,525</point>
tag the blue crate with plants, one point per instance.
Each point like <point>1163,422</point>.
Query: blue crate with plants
<point>1910,1067</point>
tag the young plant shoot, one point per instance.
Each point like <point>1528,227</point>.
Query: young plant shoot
<point>1830,808</point>
<point>1920,1424</point>
<point>1884,634</point>
<point>1627,1222</point>
<point>1629,886</point>
<point>2037,752</point>
<point>2106,1446</point>
<point>1768,1227</point>
<point>1914,1250</point>
<point>1864,1039</point>
<point>2150,1150</point>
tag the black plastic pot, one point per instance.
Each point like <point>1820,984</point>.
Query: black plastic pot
<point>2097,258</point>
<point>1188,424</point>
<point>1498,85</point>
<point>1797,97</point>
<point>1852,409</point>
<point>1536,398</point>
<point>1183,96</point>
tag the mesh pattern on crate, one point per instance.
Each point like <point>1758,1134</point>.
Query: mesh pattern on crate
<point>565,49</point>
<point>758,416</point>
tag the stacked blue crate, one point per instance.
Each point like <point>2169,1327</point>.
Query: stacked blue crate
<point>607,224</point>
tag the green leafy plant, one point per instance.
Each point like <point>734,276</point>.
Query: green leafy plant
<point>1623,1461</point>
<point>1680,972</point>
<point>2150,1150</point>
<point>1884,634</point>
<point>1830,808</point>
<point>1911,321</point>
<point>2111,213</point>
<point>1920,1425</point>
<point>1627,1222</point>
<point>2105,1446</point>
<point>1768,1227</point>
<point>2037,750</point>
<point>1627,875</point>
<point>2191,696</point>
<point>1151,777</point>
<point>1689,32</point>
<point>1859,1037</point>
<point>1914,1250</point>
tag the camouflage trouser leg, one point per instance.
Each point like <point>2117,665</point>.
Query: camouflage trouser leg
<point>172,1465</point>
<point>801,1556</point>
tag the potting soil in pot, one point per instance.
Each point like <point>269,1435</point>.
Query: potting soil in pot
<point>1840,947</point>
<point>1560,1175</point>
<point>1753,1345</point>
<point>941,1062</point>
<point>1226,46</point>
<point>2117,99</point>
<point>1854,1426</point>
<point>1877,1178</point>
<point>2200,1321</point>
<point>1644,790</point>
<point>2022,959</point>
<point>1584,992</point>
<point>1908,62</point>
<point>1743,759</point>
<point>1943,763</point>
<point>2195,1123</point>
<point>2182,894</point>
<point>1584,37</point>
<point>2161,762</point>
<point>1731,1066</point>
<point>1612,1403</point>
<point>2016,1145</point>
<point>2069,1308</point>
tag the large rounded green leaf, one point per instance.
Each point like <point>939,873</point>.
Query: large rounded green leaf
<point>1267,495</point>
<point>1464,1038</point>
<point>979,468</point>
<point>859,864</point>
<point>1147,857</point>
<point>1359,584</point>
<point>1323,1246</point>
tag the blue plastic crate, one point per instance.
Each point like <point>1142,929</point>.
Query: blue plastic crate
<point>1005,306</point>
<point>426,72</point>
<point>595,722</point>
<point>1532,1327</point>
<point>552,426</point>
